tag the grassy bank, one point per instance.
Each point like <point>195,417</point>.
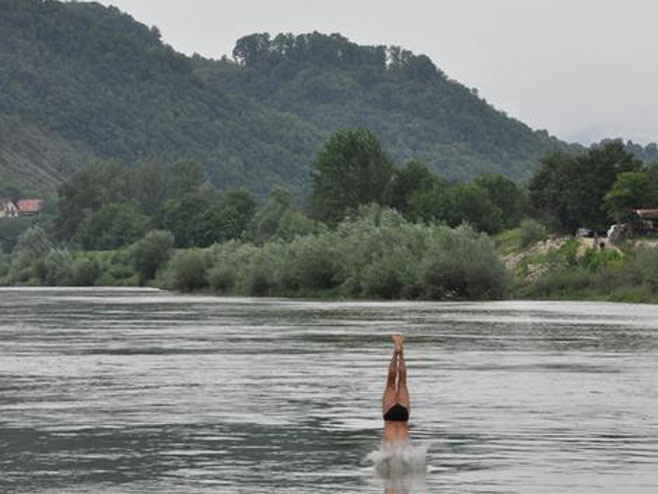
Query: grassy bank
<point>567,268</point>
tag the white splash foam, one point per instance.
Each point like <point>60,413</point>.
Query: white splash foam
<point>399,460</point>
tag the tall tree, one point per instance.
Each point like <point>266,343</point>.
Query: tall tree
<point>506,195</point>
<point>412,177</point>
<point>630,191</point>
<point>351,169</point>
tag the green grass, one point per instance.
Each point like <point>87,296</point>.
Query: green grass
<point>508,242</point>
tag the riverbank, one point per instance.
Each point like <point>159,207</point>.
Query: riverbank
<point>376,256</point>
<point>570,268</point>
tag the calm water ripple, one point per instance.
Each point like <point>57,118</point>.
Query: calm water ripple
<point>130,391</point>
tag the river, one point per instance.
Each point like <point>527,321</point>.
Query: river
<point>133,391</point>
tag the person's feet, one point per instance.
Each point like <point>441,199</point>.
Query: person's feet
<point>398,341</point>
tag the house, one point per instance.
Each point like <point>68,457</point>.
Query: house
<point>29,207</point>
<point>8,208</point>
<point>647,214</point>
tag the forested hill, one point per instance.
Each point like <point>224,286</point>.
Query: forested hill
<point>416,110</point>
<point>94,78</point>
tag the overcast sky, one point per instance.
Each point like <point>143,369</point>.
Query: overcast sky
<point>582,69</point>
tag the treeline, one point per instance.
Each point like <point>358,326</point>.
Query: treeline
<point>375,253</point>
<point>369,228</point>
<point>115,216</point>
<point>108,205</point>
<point>592,189</point>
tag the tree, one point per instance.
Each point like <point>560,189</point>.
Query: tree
<point>506,195</point>
<point>112,226</point>
<point>568,192</point>
<point>151,252</point>
<point>548,189</point>
<point>27,258</point>
<point>87,190</point>
<point>184,177</point>
<point>350,170</point>
<point>412,177</point>
<point>630,190</point>
<point>456,204</point>
<point>278,218</point>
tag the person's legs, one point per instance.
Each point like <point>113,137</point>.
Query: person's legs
<point>390,393</point>
<point>402,396</point>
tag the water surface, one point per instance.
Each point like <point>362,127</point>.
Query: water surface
<point>131,391</point>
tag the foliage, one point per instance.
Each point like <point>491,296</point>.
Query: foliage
<point>278,218</point>
<point>113,225</point>
<point>151,252</point>
<point>374,253</point>
<point>186,271</point>
<point>88,190</point>
<point>630,191</point>
<point>108,204</point>
<point>415,109</point>
<point>11,230</point>
<point>463,264</point>
<point>531,231</point>
<point>506,196</point>
<point>567,192</point>
<point>116,90</point>
<point>350,170</point>
<point>457,204</point>
<point>413,177</point>
<point>27,258</point>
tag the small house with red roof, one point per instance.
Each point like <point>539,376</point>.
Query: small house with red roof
<point>29,207</point>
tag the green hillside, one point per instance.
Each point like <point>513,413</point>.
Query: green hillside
<point>417,111</point>
<point>98,83</point>
<point>93,75</point>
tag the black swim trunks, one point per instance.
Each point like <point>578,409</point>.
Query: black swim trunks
<point>397,413</point>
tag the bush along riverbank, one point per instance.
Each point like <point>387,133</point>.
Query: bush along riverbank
<point>374,254</point>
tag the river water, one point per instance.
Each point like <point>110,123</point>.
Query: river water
<point>132,391</point>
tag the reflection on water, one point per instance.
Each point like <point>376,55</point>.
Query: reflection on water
<point>127,391</point>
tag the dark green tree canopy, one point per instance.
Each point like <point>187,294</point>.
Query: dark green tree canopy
<point>351,169</point>
<point>568,191</point>
<point>506,195</point>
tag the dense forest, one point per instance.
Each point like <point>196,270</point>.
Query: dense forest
<point>79,80</point>
<point>371,227</point>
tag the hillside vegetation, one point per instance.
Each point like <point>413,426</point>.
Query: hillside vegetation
<point>35,157</point>
<point>93,77</point>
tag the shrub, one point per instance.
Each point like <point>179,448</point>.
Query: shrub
<point>186,271</point>
<point>222,278</point>
<point>27,258</point>
<point>151,252</point>
<point>86,272</point>
<point>463,264</point>
<point>531,231</point>
<point>312,263</point>
<point>58,268</point>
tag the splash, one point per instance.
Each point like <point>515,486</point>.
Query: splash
<point>399,460</point>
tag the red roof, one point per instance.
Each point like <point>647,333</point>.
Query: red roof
<point>30,205</point>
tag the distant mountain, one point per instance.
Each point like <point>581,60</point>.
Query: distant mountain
<point>93,82</point>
